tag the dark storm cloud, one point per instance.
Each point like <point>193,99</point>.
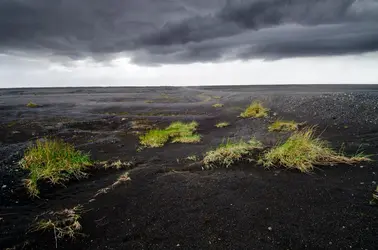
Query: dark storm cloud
<point>180,31</point>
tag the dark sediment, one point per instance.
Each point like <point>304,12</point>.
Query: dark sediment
<point>172,203</point>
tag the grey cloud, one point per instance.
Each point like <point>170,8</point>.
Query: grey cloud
<point>184,31</point>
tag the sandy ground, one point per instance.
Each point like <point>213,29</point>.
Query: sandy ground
<point>172,203</point>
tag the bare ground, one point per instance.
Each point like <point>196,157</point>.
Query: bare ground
<point>171,202</point>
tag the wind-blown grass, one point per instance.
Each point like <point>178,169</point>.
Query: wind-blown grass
<point>177,132</point>
<point>230,153</point>
<point>63,223</point>
<point>256,110</point>
<point>53,160</point>
<point>154,138</point>
<point>303,150</point>
<point>283,126</point>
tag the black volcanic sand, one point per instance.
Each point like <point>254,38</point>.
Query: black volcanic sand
<point>171,202</point>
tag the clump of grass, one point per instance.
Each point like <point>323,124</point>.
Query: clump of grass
<point>222,124</point>
<point>154,138</point>
<point>217,105</point>
<point>187,139</point>
<point>53,160</point>
<point>176,132</point>
<point>255,110</point>
<point>229,153</point>
<point>284,126</point>
<point>31,105</point>
<point>303,150</point>
<point>64,223</point>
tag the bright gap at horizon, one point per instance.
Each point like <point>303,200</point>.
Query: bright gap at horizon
<point>19,71</point>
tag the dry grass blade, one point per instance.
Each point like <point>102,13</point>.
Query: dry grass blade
<point>374,201</point>
<point>64,223</point>
<point>118,164</point>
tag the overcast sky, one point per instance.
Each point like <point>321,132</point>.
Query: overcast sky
<point>187,42</point>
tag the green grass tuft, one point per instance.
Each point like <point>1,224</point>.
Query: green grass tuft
<point>230,153</point>
<point>53,160</point>
<point>154,138</point>
<point>31,105</point>
<point>177,132</point>
<point>222,124</point>
<point>187,139</point>
<point>255,110</point>
<point>217,105</point>
<point>303,150</point>
<point>283,126</point>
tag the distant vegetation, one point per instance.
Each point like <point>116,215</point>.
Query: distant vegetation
<point>176,132</point>
<point>255,110</point>
<point>222,124</point>
<point>303,150</point>
<point>283,126</point>
<point>53,160</point>
<point>229,153</point>
<point>217,105</point>
<point>31,105</point>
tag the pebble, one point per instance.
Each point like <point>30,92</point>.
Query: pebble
<point>4,186</point>
<point>270,228</point>
<point>362,183</point>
